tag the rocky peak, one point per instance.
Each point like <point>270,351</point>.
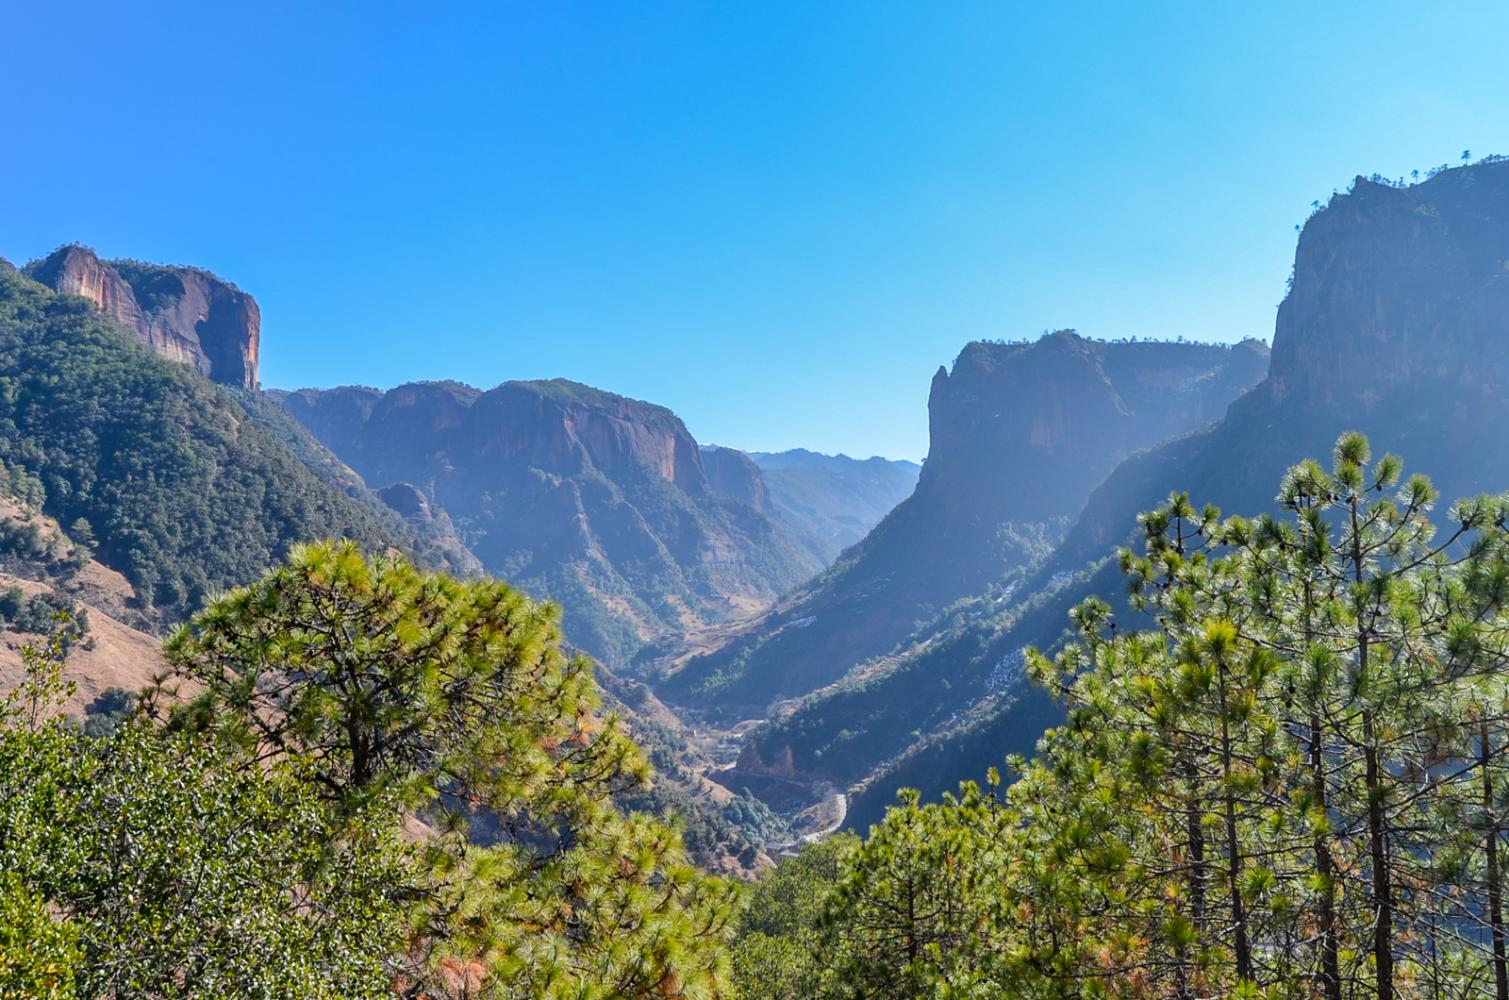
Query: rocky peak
<point>182,313</point>
<point>1392,284</point>
<point>409,501</point>
<point>75,270</point>
<point>573,493</point>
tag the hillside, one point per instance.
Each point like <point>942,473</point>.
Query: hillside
<point>1397,324</point>
<point>1020,433</point>
<point>598,502</point>
<point>43,572</point>
<point>183,492</point>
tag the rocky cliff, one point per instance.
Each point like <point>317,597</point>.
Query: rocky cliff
<point>1394,284</point>
<point>1396,324</point>
<point>600,502</point>
<point>734,474</point>
<point>1020,433</point>
<point>182,313</point>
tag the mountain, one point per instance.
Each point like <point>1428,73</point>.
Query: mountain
<point>1396,324</point>
<point>1020,433</point>
<point>601,503</point>
<point>184,490</point>
<point>183,313</point>
<point>834,499</point>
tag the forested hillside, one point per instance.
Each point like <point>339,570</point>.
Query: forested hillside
<point>181,491</point>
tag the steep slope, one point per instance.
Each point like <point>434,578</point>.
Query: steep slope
<point>1397,324</point>
<point>596,501</point>
<point>834,498</point>
<point>42,571</point>
<point>1020,433</point>
<point>183,492</point>
<point>183,313</point>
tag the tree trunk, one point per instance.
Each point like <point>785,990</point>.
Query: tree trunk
<point>1383,898</point>
<point>1325,867</point>
<point>1241,943</point>
<point>1495,884</point>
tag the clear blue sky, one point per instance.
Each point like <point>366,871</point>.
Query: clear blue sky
<point>777,219</point>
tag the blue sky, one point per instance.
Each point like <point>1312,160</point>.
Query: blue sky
<point>777,219</point>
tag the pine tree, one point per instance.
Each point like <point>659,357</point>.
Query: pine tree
<point>455,698</point>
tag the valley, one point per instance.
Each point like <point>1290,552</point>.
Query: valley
<point>817,631</point>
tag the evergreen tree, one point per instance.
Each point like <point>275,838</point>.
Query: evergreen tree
<point>377,679</point>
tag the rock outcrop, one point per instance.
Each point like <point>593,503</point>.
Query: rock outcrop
<point>735,474</point>
<point>600,502</point>
<point>1392,285</point>
<point>1020,434</point>
<point>182,313</point>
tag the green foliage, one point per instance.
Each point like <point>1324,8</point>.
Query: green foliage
<point>150,866</point>
<point>783,951</point>
<point>39,954</point>
<point>1296,785</point>
<point>454,698</point>
<point>12,604</point>
<point>46,613</point>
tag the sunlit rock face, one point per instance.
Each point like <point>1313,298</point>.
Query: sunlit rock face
<point>182,313</point>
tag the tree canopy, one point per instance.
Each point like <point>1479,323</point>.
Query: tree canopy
<point>454,697</point>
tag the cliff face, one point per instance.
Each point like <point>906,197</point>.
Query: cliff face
<point>1022,432</point>
<point>1397,325</point>
<point>184,314</point>
<point>1394,284</point>
<point>735,474</point>
<point>600,502</point>
<point>1019,435</point>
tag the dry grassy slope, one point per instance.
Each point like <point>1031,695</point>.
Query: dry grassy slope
<point>123,654</point>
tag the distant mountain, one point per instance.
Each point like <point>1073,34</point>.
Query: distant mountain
<point>183,313</point>
<point>834,499</point>
<point>1396,324</point>
<point>601,503</point>
<point>1020,434</point>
